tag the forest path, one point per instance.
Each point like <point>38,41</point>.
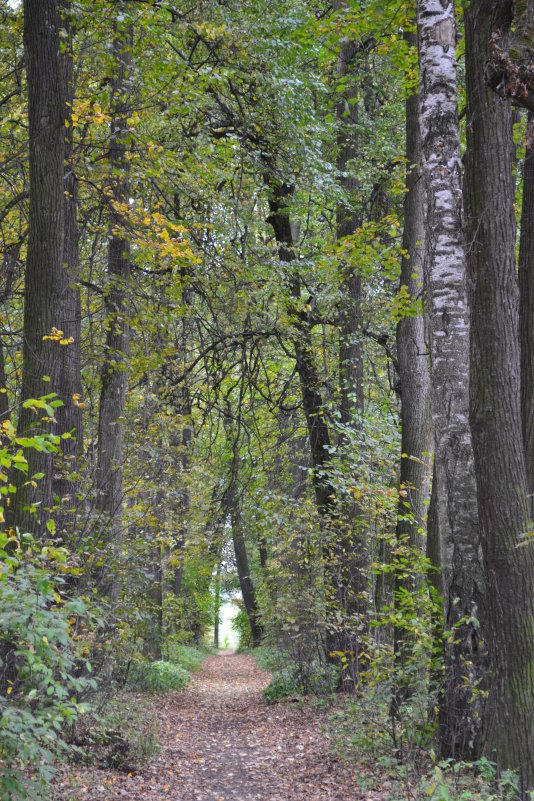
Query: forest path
<point>221,742</point>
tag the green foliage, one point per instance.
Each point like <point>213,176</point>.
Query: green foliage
<point>241,624</point>
<point>40,666</point>
<point>123,735</point>
<point>284,684</point>
<point>157,677</point>
<point>292,680</point>
<point>402,750</point>
<point>184,656</point>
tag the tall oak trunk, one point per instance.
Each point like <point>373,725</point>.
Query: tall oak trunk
<point>495,411</point>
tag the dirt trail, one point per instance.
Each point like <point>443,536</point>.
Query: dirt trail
<point>221,742</point>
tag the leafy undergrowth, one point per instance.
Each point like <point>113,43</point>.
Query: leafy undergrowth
<point>124,736</point>
<point>157,677</point>
<point>123,733</point>
<point>185,656</point>
<point>291,680</point>
<point>401,754</point>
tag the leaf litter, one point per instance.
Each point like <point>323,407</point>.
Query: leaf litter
<point>221,742</point>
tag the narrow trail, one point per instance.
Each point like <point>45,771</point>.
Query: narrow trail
<point>221,742</point>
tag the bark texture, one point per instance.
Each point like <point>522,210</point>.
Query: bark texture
<point>69,416</point>
<point>232,509</point>
<point>114,370</point>
<point>47,291</point>
<point>416,420</point>
<point>509,56</point>
<point>347,221</point>
<point>417,443</point>
<point>456,509</point>
<point>495,402</point>
<point>526,307</point>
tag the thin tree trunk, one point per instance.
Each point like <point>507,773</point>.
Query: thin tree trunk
<point>183,441</point>
<point>10,260</point>
<point>495,401</point>
<point>217,605</point>
<point>248,591</point>
<point>416,421</point>
<point>346,577</point>
<point>69,416</point>
<point>114,373</point>
<point>463,578</point>
<point>347,221</point>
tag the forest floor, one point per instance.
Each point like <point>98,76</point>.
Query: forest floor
<point>221,742</point>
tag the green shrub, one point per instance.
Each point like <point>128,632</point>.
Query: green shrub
<point>184,656</point>
<point>124,737</point>
<point>296,680</point>
<point>38,666</point>
<point>157,677</point>
<point>271,659</point>
<point>241,625</point>
<point>284,684</point>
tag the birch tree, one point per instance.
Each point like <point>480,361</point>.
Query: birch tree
<point>463,579</point>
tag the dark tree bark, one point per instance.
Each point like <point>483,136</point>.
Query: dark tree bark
<point>8,272</point>
<point>114,376</point>
<point>48,293</point>
<point>348,220</point>
<point>232,507</point>
<point>182,442</point>
<point>508,68</point>
<point>526,308</point>
<point>217,605</point>
<point>243,569</point>
<point>69,416</point>
<point>312,401</point>
<point>346,559</point>
<point>495,411</point>
<point>463,577</point>
<point>416,422</point>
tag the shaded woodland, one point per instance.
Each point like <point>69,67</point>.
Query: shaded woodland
<point>267,298</point>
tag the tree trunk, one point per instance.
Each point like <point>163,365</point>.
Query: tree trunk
<point>69,416</point>
<point>416,421</point>
<point>345,556</point>
<point>243,569</point>
<point>46,280</point>
<point>526,308</point>
<point>347,220</point>
<point>495,402</point>
<point>463,578</point>
<point>114,375</point>
<point>217,605</point>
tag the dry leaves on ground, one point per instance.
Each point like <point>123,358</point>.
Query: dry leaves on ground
<point>221,742</point>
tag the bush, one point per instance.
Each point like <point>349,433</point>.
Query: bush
<point>124,737</point>
<point>284,684</point>
<point>39,664</point>
<point>157,677</point>
<point>297,680</point>
<point>184,656</point>
<point>241,625</point>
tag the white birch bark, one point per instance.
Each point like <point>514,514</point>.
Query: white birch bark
<point>463,583</point>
